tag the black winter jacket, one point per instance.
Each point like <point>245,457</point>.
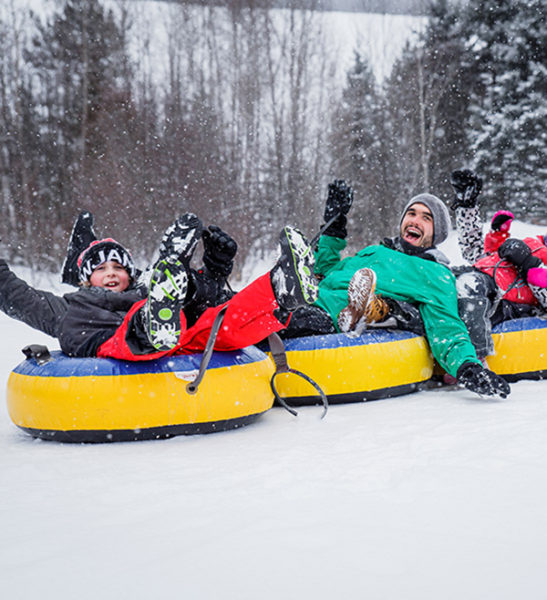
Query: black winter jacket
<point>81,320</point>
<point>92,317</point>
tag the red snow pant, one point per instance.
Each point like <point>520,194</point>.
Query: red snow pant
<point>248,319</point>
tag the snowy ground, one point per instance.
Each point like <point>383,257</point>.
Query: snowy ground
<point>438,494</point>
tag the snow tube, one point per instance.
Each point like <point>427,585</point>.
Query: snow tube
<point>107,400</point>
<point>520,349</point>
<point>376,364</point>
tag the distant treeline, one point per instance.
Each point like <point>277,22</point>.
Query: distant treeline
<point>393,7</point>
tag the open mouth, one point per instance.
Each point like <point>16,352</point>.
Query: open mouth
<point>412,234</point>
<point>111,284</point>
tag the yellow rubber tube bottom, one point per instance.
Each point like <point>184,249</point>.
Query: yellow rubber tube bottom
<point>138,401</point>
<point>518,352</point>
<point>355,369</point>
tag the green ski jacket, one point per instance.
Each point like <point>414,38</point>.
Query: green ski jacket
<point>425,283</point>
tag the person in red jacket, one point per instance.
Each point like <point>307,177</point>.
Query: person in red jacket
<point>520,270</point>
<point>508,277</point>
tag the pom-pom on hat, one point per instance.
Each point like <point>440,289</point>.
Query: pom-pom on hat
<point>101,251</point>
<point>441,216</point>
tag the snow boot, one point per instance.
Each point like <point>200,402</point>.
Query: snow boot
<point>362,302</point>
<point>293,281</point>
<point>166,298</point>
<point>81,237</point>
<point>180,239</point>
<point>178,243</point>
<point>377,310</point>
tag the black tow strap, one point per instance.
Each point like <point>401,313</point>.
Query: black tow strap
<point>323,229</point>
<point>192,387</point>
<point>277,349</point>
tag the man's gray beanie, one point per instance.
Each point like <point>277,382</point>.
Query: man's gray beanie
<point>441,216</point>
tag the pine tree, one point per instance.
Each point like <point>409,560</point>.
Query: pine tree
<point>82,106</point>
<point>508,47</point>
<point>429,95</point>
<point>355,124</point>
<point>359,150</point>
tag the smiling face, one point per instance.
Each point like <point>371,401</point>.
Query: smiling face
<point>111,276</point>
<point>417,226</point>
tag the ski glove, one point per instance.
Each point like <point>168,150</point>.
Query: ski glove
<point>467,187</point>
<point>220,249</point>
<point>339,201</point>
<point>502,220</point>
<point>482,381</point>
<point>519,254</point>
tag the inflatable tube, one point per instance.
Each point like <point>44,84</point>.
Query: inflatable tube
<point>101,400</point>
<point>377,364</point>
<point>520,349</point>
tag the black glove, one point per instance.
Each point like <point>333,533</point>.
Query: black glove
<point>339,201</point>
<point>467,187</point>
<point>519,254</point>
<point>220,249</point>
<point>482,381</point>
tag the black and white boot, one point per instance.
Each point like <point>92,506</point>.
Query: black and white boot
<point>166,298</point>
<point>293,281</point>
<point>180,239</point>
<point>178,243</point>
<point>81,237</point>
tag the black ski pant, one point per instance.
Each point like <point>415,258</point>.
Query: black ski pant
<point>480,308</point>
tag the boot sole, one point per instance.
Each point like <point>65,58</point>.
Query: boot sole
<point>360,291</point>
<point>184,242</point>
<point>166,296</point>
<point>304,261</point>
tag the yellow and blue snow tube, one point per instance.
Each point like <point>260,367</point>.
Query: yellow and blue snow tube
<point>101,399</point>
<point>376,364</point>
<point>520,349</point>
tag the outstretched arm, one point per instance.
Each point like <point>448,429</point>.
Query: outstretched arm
<point>339,201</point>
<point>467,187</point>
<point>331,239</point>
<point>38,309</point>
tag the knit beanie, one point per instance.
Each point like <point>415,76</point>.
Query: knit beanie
<point>441,216</point>
<point>101,251</point>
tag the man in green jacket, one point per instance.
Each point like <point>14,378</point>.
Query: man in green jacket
<point>407,270</point>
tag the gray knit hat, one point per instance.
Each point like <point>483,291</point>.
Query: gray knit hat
<point>441,216</point>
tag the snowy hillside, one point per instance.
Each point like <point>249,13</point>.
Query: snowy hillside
<point>439,494</point>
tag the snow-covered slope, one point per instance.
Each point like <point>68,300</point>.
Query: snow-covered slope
<point>439,494</point>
